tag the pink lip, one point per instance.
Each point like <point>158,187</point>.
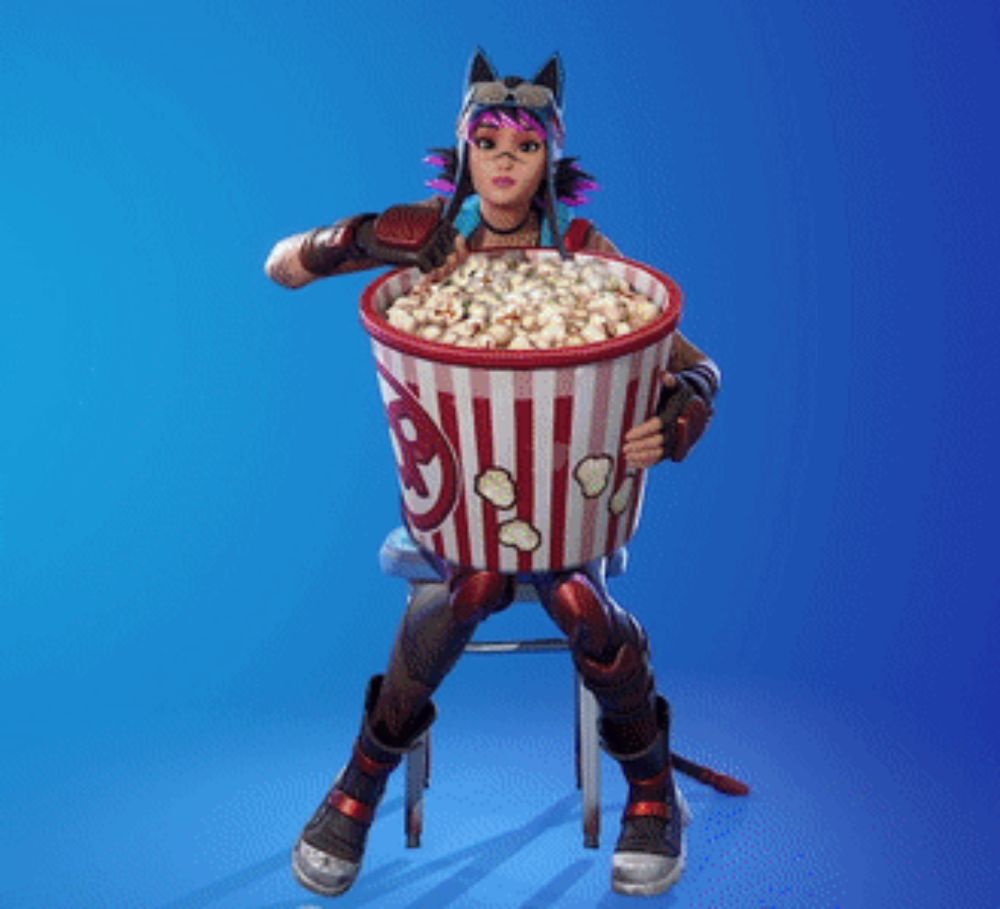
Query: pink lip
<point>503,181</point>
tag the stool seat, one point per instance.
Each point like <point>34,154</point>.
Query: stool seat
<point>400,557</point>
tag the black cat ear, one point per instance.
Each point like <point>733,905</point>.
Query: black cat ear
<point>551,76</point>
<point>480,69</point>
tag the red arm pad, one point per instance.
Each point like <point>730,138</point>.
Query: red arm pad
<point>407,227</point>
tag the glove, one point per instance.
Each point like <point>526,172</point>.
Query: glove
<point>685,409</point>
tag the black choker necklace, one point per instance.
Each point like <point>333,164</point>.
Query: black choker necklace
<point>504,231</point>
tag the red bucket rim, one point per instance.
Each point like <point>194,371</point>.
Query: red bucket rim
<point>377,326</point>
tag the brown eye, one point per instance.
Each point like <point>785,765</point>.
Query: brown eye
<point>484,144</point>
<point>530,146</point>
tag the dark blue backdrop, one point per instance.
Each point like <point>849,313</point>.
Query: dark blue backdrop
<point>195,472</point>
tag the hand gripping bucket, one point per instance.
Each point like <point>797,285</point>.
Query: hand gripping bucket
<point>508,459</point>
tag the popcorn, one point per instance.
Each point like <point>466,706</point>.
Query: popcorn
<point>402,319</point>
<point>593,474</point>
<point>511,302</point>
<point>496,485</point>
<point>623,495</point>
<point>520,535</point>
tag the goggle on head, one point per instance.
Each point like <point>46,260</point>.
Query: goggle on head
<point>540,99</point>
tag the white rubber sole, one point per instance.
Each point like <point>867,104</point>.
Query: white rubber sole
<point>643,874</point>
<point>324,874</point>
<point>654,877</point>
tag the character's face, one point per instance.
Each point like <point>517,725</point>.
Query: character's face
<point>507,165</point>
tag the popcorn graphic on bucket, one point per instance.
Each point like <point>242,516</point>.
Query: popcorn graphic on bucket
<point>510,459</point>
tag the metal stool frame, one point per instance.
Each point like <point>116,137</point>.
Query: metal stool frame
<point>400,557</point>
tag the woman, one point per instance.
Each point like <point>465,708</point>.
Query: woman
<point>508,176</point>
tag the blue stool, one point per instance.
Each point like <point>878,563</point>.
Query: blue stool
<point>400,558</point>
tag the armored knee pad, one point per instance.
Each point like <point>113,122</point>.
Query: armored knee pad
<point>595,625</point>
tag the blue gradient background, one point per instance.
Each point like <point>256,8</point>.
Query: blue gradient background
<point>195,475</point>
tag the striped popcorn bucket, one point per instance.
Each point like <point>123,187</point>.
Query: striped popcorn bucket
<point>511,460</point>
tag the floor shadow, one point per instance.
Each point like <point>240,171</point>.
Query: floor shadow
<point>477,861</point>
<point>217,890</point>
<point>558,886</point>
<point>469,866</point>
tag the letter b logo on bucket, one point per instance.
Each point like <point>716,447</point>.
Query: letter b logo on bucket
<point>428,470</point>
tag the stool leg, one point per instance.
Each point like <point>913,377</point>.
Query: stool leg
<point>590,766</point>
<point>427,762</point>
<point>416,776</point>
<point>577,759</point>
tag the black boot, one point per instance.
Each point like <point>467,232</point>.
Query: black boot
<point>327,856</point>
<point>650,853</point>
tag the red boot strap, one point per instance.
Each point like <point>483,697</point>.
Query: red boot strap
<point>651,781</point>
<point>369,766</point>
<point>354,809</point>
<point>648,809</point>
